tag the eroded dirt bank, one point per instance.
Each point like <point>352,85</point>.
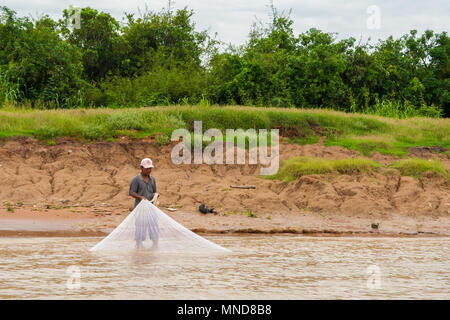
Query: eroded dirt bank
<point>82,188</point>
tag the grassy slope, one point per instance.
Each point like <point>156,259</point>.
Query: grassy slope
<point>297,167</point>
<point>354,131</point>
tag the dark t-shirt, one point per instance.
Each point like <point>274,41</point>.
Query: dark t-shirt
<point>142,188</point>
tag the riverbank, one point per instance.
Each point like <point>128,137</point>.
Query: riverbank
<point>99,222</point>
<point>81,188</point>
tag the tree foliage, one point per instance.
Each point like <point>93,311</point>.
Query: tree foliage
<point>35,61</point>
<point>161,58</point>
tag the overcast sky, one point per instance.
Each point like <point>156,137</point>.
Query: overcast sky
<point>231,19</point>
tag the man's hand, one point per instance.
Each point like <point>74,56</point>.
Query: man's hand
<point>155,196</point>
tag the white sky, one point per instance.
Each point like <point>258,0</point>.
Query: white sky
<point>231,19</point>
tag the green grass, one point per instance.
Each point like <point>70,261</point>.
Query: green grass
<point>364,133</point>
<point>417,167</point>
<point>249,213</point>
<point>402,110</point>
<point>351,165</point>
<point>303,140</point>
<point>297,167</point>
<point>367,145</point>
<point>9,207</point>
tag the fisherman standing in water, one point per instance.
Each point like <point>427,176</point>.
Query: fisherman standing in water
<point>143,187</point>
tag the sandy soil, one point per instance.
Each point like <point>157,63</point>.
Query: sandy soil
<point>76,188</point>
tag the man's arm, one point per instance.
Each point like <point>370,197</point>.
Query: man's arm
<point>154,184</point>
<point>136,196</point>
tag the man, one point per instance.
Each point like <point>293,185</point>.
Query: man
<point>143,187</point>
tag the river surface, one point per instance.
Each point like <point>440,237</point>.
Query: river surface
<point>259,267</point>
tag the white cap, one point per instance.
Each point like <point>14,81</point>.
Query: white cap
<point>147,163</point>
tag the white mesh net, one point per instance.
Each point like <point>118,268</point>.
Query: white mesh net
<point>147,227</point>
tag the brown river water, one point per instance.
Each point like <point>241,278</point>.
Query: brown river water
<point>259,267</point>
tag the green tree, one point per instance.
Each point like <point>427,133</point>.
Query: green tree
<point>98,38</point>
<point>32,55</point>
<point>164,38</point>
<point>430,56</point>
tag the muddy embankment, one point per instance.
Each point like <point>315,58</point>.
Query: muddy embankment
<point>81,188</point>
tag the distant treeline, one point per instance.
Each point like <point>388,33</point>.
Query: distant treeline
<point>160,58</point>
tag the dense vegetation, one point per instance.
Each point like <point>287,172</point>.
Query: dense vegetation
<point>160,58</point>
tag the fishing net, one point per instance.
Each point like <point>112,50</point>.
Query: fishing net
<point>147,227</point>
